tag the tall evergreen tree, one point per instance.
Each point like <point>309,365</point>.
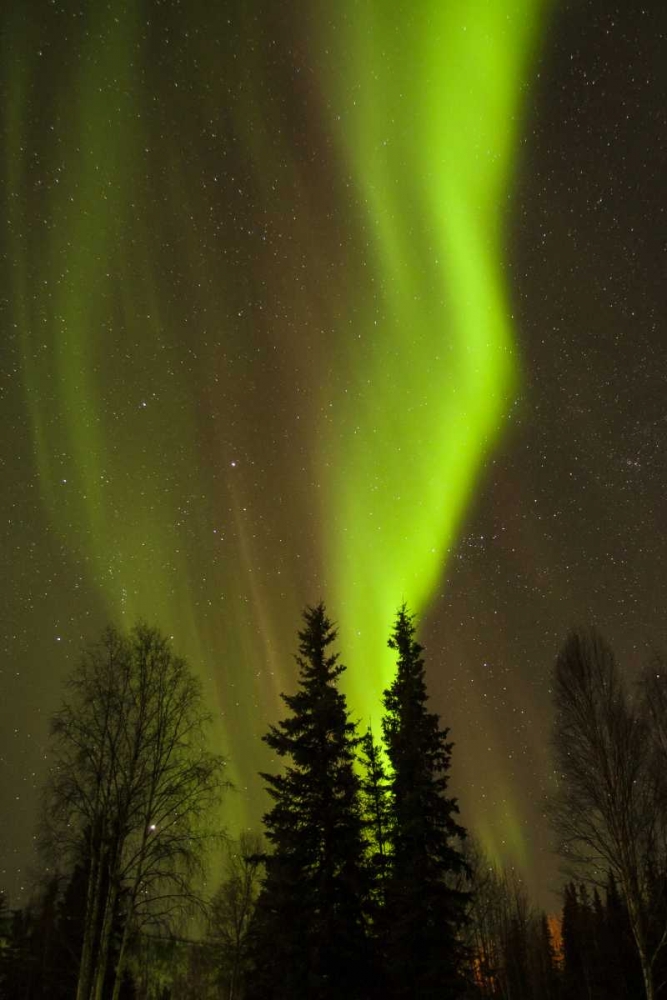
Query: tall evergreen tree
<point>378,820</point>
<point>424,907</point>
<point>376,806</point>
<point>309,935</point>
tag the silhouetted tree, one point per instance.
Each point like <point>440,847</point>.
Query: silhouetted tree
<point>17,959</point>
<point>483,928</point>
<point>232,909</point>
<point>543,973</point>
<point>308,935</point>
<point>600,960</point>
<point>71,923</point>
<point>510,950</point>
<point>378,819</point>
<point>576,929</point>
<point>608,809</point>
<point>34,962</point>
<point>619,960</point>
<point>653,709</point>
<point>5,915</point>
<point>516,945</point>
<point>131,786</point>
<point>376,806</point>
<point>424,910</point>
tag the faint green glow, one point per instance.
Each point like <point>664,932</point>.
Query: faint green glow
<point>497,827</point>
<point>116,456</point>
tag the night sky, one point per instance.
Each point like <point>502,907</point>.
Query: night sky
<point>359,300</point>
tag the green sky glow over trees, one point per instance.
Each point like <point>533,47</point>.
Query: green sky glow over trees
<point>353,302</point>
<point>425,116</point>
<point>430,118</point>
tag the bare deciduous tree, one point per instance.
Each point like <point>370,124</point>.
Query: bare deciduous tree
<point>232,908</point>
<point>507,940</point>
<point>131,791</point>
<point>608,810</point>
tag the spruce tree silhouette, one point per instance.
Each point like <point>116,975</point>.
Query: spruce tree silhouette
<point>424,908</point>
<point>308,937</point>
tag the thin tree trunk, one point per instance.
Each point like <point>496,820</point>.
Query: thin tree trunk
<point>130,908</point>
<point>120,964</point>
<point>638,934</point>
<point>97,992</point>
<point>647,971</point>
<point>86,963</point>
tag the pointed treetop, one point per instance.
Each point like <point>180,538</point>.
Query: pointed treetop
<point>409,684</point>
<point>316,635</point>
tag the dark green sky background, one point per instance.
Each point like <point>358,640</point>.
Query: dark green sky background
<point>360,302</point>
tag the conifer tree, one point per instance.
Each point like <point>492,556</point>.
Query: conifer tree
<point>424,907</point>
<point>377,815</point>
<point>576,957</point>
<point>376,808</point>
<point>308,935</point>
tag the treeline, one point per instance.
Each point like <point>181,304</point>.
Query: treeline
<point>363,883</point>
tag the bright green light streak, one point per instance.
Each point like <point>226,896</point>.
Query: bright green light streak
<point>429,102</point>
<point>430,107</point>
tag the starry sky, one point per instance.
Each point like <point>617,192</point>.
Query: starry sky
<point>360,301</point>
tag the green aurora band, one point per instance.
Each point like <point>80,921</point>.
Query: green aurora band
<point>430,117</point>
<point>423,101</point>
<point>430,123</point>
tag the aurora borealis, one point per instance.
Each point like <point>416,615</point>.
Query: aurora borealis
<point>361,302</point>
<point>431,157</point>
